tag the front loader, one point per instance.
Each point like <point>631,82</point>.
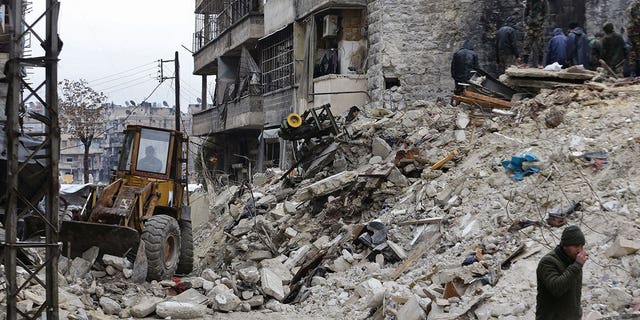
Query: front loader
<point>147,200</point>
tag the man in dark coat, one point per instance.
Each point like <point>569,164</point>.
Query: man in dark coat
<point>595,44</point>
<point>464,61</point>
<point>559,276</point>
<point>578,50</point>
<point>613,48</point>
<point>557,48</point>
<point>506,45</point>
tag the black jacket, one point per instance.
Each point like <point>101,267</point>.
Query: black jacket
<point>506,41</point>
<point>464,61</point>
<point>578,50</point>
<point>559,287</point>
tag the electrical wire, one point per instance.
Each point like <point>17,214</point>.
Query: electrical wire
<point>97,84</point>
<point>122,72</point>
<point>145,77</point>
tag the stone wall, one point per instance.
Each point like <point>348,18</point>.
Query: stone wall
<point>411,42</point>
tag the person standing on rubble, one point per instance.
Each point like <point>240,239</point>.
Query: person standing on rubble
<point>613,48</point>
<point>506,45</point>
<point>633,31</point>
<point>595,45</point>
<point>559,276</point>
<point>577,46</point>
<point>535,12</point>
<point>464,61</point>
<point>557,48</point>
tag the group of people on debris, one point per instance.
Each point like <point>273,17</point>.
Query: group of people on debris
<point>619,51</point>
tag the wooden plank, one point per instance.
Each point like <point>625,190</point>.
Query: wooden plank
<point>421,221</point>
<point>478,102</point>
<point>414,256</point>
<point>444,160</point>
<point>493,101</point>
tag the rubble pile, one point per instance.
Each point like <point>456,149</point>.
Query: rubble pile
<point>429,212</point>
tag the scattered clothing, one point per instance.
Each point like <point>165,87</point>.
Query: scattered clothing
<point>515,166</point>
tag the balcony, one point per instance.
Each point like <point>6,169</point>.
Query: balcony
<point>223,32</point>
<point>244,113</point>
<point>306,7</point>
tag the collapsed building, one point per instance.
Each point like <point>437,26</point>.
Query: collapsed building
<point>276,57</point>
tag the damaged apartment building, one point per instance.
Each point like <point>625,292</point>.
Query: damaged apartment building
<point>271,58</point>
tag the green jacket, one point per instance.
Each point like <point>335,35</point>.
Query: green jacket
<point>559,287</point>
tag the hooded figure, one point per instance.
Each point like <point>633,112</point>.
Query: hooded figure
<point>464,61</point>
<point>557,48</point>
<point>613,48</point>
<point>578,49</point>
<point>506,44</point>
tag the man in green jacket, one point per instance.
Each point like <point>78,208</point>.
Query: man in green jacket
<point>560,278</point>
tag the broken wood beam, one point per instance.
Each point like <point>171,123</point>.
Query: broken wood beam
<point>444,160</point>
<point>421,221</point>
<point>415,256</point>
<point>487,100</point>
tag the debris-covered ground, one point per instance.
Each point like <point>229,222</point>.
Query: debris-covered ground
<point>430,212</point>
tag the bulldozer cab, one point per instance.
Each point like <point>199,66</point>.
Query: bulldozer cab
<point>147,201</point>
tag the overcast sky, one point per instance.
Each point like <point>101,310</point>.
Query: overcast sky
<point>116,45</point>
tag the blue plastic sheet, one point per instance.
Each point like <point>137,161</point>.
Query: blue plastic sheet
<point>515,166</point>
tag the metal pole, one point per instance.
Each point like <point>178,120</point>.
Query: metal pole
<point>177,69</point>
<point>52,48</point>
<point>12,130</point>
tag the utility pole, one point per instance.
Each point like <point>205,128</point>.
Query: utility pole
<point>47,153</point>
<point>176,76</point>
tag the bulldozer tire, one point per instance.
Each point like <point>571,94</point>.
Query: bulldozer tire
<point>185,264</point>
<point>161,236</point>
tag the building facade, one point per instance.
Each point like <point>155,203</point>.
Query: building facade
<point>274,57</point>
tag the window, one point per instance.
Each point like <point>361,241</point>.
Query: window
<point>277,61</point>
<point>69,159</point>
<point>153,151</point>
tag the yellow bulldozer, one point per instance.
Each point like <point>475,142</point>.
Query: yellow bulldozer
<point>147,200</point>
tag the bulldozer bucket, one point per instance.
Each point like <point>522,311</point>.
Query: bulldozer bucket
<point>78,236</point>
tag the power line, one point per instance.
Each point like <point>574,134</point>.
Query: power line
<point>146,76</point>
<point>99,83</point>
<point>119,73</point>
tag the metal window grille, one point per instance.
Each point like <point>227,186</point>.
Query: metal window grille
<point>277,62</point>
<point>211,22</point>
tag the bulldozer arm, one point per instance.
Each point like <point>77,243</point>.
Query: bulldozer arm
<point>78,236</point>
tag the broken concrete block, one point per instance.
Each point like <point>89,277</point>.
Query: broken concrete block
<point>297,256</point>
<point>321,242</point>
<point>223,298</point>
<point>191,296</point>
<point>291,206</point>
<point>397,178</point>
<point>326,186</point>
<point>379,147</point>
<point>223,198</point>
<point>256,301</point>
<point>259,255</point>
<point>460,135</point>
<point>271,284</point>
<point>618,298</point>
<point>209,275</point>
<point>116,262</point>
<point>246,294</point>
<point>109,306</point>
<point>249,274</point>
<point>79,267</point>
<point>180,310</point>
<point>622,247</point>
<point>140,265</point>
<point>340,265</point>
<point>290,232</point>
<point>375,160</point>
<point>91,254</point>
<point>397,249</point>
<point>368,287</point>
<point>278,212</point>
<point>145,307</point>
<point>411,311</point>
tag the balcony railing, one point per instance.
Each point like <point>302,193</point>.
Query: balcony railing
<point>210,26</point>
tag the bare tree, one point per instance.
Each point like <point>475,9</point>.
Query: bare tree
<point>82,115</point>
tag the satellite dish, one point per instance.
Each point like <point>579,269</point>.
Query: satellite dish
<point>126,103</point>
<point>199,100</point>
<point>164,103</point>
<point>133,103</point>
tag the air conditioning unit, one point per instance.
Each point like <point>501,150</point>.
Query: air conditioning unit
<point>330,26</point>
